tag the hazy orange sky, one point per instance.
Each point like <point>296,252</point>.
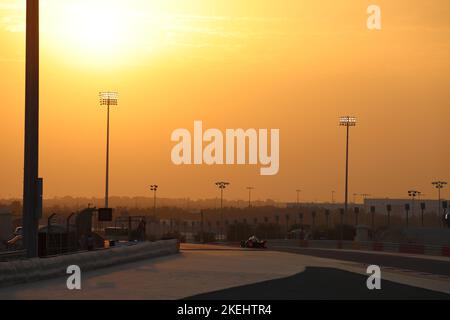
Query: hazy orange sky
<point>293,65</point>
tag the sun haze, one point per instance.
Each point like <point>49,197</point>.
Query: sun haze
<point>293,65</point>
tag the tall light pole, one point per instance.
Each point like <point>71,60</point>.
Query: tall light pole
<point>250,196</point>
<point>221,185</point>
<point>108,99</point>
<point>32,196</point>
<point>347,122</point>
<point>154,188</point>
<point>298,197</point>
<point>413,194</point>
<point>364,197</point>
<point>439,185</point>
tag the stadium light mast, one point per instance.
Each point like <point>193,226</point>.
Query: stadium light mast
<point>413,194</point>
<point>108,99</point>
<point>347,121</point>
<point>154,188</point>
<point>221,185</point>
<point>439,185</point>
<point>32,185</point>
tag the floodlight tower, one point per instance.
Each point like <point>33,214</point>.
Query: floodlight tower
<point>413,194</point>
<point>154,188</point>
<point>347,121</point>
<point>439,185</point>
<point>108,99</point>
<point>221,185</point>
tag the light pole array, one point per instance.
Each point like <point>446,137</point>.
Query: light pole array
<point>154,188</point>
<point>347,121</point>
<point>439,185</point>
<point>108,99</point>
<point>221,185</point>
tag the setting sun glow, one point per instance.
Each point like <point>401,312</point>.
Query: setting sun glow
<point>100,31</point>
<point>290,65</point>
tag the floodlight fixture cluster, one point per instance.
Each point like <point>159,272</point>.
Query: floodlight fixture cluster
<point>347,121</point>
<point>109,98</point>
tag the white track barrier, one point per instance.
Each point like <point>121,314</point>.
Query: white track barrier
<point>26,270</point>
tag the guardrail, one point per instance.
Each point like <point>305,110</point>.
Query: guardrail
<point>11,255</point>
<point>411,248</point>
<point>27,270</point>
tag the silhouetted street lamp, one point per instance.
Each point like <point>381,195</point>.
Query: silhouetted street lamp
<point>356,210</point>
<point>108,99</point>
<point>298,197</point>
<point>347,122</point>
<point>388,209</point>
<point>287,223</point>
<point>407,208</point>
<point>313,215</point>
<point>422,209</point>
<point>413,194</point>
<point>277,220</point>
<point>439,185</point>
<point>372,211</point>
<point>221,185</point>
<point>250,196</point>
<point>154,188</point>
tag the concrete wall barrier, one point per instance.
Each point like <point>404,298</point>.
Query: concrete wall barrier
<point>412,248</point>
<point>365,246</point>
<point>27,270</point>
<point>304,243</point>
<point>446,251</point>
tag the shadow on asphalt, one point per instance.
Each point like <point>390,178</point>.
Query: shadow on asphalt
<point>321,283</point>
<point>383,260</point>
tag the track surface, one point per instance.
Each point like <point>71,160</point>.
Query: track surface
<point>426,265</point>
<point>218,272</point>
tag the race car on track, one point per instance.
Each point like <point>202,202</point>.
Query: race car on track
<point>253,242</point>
